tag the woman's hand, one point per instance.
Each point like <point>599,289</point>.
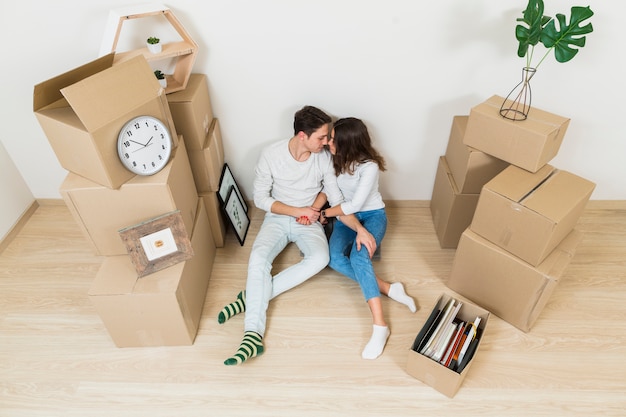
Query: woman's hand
<point>365,238</point>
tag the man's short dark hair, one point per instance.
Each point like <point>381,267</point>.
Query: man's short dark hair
<point>308,119</point>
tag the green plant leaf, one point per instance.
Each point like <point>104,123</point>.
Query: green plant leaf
<point>568,35</point>
<point>534,20</point>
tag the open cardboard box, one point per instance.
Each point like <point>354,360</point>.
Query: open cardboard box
<point>433,373</point>
<point>529,144</point>
<point>83,110</point>
<point>160,309</point>
<point>502,283</point>
<point>529,214</point>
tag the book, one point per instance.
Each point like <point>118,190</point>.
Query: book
<point>457,350</point>
<point>446,311</point>
<point>452,346</point>
<point>468,354</point>
<point>471,335</point>
<point>438,345</point>
<point>443,342</point>
<point>427,329</point>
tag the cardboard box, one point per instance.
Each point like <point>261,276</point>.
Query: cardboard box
<point>528,214</point>
<point>160,309</point>
<point>504,284</point>
<point>529,144</point>
<point>216,217</point>
<point>207,163</point>
<point>101,211</point>
<point>470,168</point>
<point>433,373</point>
<point>83,110</point>
<point>451,211</point>
<point>192,112</point>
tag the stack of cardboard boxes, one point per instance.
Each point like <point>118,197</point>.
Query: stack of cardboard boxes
<point>522,235</point>
<point>193,116</point>
<point>510,215</point>
<point>81,113</point>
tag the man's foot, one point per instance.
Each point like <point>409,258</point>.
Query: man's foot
<point>377,342</point>
<point>251,346</point>
<point>234,308</point>
<point>397,293</point>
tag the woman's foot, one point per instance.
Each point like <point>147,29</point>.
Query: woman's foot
<point>377,342</point>
<point>397,293</point>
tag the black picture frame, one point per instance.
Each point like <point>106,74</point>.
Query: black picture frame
<point>227,180</point>
<point>237,215</point>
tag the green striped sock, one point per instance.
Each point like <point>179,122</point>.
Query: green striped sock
<point>232,309</point>
<point>251,346</point>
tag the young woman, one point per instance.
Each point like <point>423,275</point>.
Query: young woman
<point>357,166</point>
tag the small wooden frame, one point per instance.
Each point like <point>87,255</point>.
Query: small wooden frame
<point>238,217</point>
<point>227,180</point>
<point>157,243</point>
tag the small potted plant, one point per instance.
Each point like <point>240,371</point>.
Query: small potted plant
<point>161,77</point>
<point>154,44</point>
<point>564,39</point>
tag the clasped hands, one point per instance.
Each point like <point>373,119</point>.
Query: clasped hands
<point>308,216</point>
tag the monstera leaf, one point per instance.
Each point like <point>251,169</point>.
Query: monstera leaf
<point>531,34</point>
<point>572,34</point>
<point>535,28</point>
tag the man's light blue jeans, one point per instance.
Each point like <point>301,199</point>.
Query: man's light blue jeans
<point>275,233</point>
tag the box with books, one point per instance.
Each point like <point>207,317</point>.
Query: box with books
<point>442,352</point>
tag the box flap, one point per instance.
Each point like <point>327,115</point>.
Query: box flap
<point>516,183</point>
<point>570,189</point>
<point>111,93</point>
<point>49,91</point>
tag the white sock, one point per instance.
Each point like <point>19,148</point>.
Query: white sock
<point>377,342</point>
<point>396,292</point>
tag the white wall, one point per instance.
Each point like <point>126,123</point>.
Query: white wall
<point>405,67</point>
<point>15,198</point>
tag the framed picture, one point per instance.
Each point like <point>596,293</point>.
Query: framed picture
<point>227,180</point>
<point>157,243</point>
<point>234,209</point>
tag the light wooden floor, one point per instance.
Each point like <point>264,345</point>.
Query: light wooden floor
<point>56,358</point>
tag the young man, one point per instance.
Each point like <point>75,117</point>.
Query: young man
<point>288,177</point>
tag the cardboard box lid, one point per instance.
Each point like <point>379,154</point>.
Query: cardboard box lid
<point>516,183</point>
<point>112,93</point>
<point>569,190</point>
<point>548,191</point>
<point>49,91</point>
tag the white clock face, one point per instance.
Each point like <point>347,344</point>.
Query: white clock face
<point>144,145</point>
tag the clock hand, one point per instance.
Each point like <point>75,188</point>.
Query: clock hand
<point>150,140</point>
<point>138,143</point>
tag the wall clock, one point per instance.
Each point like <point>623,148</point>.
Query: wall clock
<point>144,145</point>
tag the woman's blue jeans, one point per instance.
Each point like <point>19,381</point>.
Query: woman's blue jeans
<point>355,264</point>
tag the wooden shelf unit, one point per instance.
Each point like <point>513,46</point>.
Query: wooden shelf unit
<point>183,53</point>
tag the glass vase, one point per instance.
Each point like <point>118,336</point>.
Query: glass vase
<point>517,104</point>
